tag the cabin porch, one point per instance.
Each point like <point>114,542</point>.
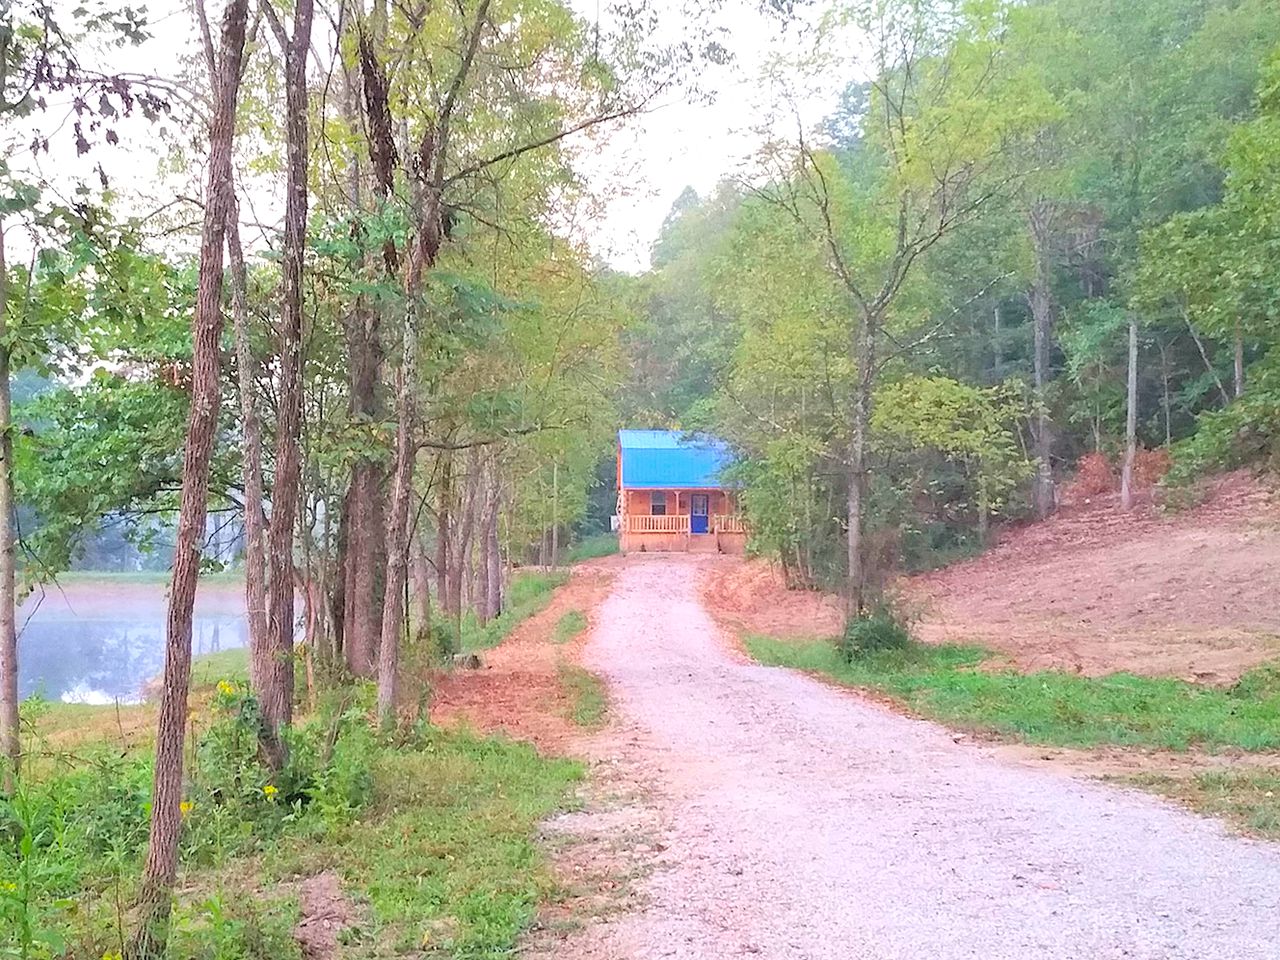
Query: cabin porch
<point>700,521</point>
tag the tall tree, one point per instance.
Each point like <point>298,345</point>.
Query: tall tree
<point>277,696</point>
<point>160,868</point>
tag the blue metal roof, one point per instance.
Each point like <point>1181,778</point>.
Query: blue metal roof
<point>672,460</point>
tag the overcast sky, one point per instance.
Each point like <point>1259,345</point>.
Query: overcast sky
<point>635,170</point>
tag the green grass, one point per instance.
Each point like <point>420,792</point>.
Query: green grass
<point>587,694</point>
<point>207,669</point>
<point>589,548</point>
<point>445,861</point>
<point>1250,799</point>
<point>433,836</point>
<point>530,593</point>
<point>1051,707</point>
<point>569,626</point>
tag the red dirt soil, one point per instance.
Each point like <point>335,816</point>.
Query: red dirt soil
<point>517,690</point>
<point>1189,594</point>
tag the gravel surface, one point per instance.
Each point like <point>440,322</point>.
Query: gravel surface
<point>805,822</point>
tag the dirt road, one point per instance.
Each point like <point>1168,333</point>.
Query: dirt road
<point>804,822</point>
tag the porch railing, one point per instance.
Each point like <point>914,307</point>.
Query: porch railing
<point>728,523</point>
<point>642,523</point>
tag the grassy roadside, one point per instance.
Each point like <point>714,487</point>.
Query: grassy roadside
<point>959,686</point>
<point>587,696</point>
<point>529,594</point>
<point>430,834</point>
<point>950,684</point>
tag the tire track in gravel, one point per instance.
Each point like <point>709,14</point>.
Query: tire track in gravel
<point>806,822</point>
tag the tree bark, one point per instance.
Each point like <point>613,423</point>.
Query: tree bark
<point>421,587</point>
<point>865,358</point>
<point>494,553</point>
<point>255,577</point>
<point>10,742</point>
<point>555,515</point>
<point>1040,299</point>
<point>1238,357</point>
<point>277,697</point>
<point>399,526</point>
<point>1131,420</point>
<point>160,868</point>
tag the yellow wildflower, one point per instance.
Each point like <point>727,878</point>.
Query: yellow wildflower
<point>226,687</point>
<point>8,887</point>
<point>110,956</point>
<point>185,807</point>
<point>270,791</point>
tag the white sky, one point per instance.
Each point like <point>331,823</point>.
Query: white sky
<point>636,173</point>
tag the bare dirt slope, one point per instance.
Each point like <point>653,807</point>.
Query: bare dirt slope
<point>806,822</point>
<point>1191,594</point>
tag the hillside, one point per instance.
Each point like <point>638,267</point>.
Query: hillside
<point>1188,594</point>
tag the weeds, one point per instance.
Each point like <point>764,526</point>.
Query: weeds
<point>529,594</point>
<point>589,548</point>
<point>1250,799</point>
<point>435,829</point>
<point>587,695</point>
<point>956,685</point>
<point>569,626</point>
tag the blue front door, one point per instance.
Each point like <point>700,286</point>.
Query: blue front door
<point>698,510</point>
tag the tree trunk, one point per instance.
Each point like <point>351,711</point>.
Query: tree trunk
<point>555,515</point>
<point>277,699</point>
<point>255,575</point>
<point>10,743</point>
<point>160,868</point>
<point>461,549</point>
<point>865,359</point>
<point>493,555</point>
<point>1131,420</point>
<point>421,587</point>
<point>1164,395</point>
<point>1238,355</point>
<point>1040,299</point>
<point>399,527</point>
<point>1204,356</point>
<point>443,533</point>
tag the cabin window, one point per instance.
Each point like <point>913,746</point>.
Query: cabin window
<point>658,503</point>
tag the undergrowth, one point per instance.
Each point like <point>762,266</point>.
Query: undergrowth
<point>959,686</point>
<point>569,626</point>
<point>529,594</point>
<point>587,697</point>
<point>432,829</point>
<point>589,548</point>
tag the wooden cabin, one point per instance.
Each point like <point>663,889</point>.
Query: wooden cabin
<point>671,495</point>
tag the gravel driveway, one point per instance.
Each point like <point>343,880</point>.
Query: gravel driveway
<point>805,822</point>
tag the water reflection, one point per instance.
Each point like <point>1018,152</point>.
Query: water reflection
<point>98,642</point>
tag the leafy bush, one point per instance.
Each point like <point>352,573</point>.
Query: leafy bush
<point>1245,433</point>
<point>873,633</point>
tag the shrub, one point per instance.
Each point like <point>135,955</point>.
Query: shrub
<point>874,632</point>
<point>1094,476</point>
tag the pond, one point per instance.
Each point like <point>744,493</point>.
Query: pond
<point>95,640</point>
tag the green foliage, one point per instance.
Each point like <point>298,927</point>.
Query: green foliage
<point>1245,433</point>
<point>958,686</point>
<point>593,547</point>
<point>435,829</point>
<point>529,594</point>
<point>587,697</point>
<point>446,854</point>
<point>231,926</point>
<point>569,626</point>
<point>873,633</point>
